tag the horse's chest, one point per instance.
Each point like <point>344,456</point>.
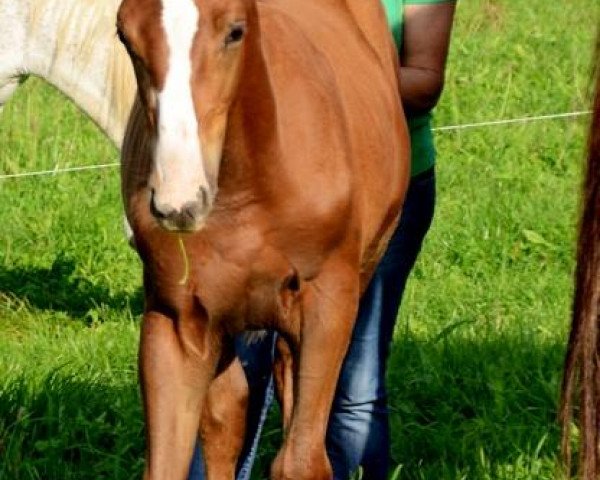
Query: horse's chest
<point>233,275</point>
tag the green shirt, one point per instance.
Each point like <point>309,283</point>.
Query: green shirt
<point>421,136</point>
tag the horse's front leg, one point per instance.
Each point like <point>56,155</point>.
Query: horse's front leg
<point>329,306</point>
<point>178,358</point>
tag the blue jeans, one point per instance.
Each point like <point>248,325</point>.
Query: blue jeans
<point>358,433</point>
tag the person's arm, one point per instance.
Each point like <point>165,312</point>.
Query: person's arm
<point>425,43</point>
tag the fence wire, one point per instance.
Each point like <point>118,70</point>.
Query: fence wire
<point>447,128</point>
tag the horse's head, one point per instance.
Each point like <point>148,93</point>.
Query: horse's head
<point>187,56</point>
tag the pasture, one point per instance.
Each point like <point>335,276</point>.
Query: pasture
<point>476,363</point>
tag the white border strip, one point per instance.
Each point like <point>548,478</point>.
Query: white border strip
<point>465,126</point>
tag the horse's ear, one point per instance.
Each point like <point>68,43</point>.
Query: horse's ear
<point>121,20</point>
<point>126,15</point>
<point>120,14</point>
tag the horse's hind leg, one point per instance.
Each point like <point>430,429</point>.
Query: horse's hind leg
<point>222,427</point>
<point>329,305</point>
<point>284,382</point>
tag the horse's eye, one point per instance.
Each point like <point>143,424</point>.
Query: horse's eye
<point>235,35</point>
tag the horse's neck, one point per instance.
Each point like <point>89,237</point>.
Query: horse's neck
<point>72,44</point>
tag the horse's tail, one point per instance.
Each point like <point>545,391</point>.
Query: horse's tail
<point>582,363</point>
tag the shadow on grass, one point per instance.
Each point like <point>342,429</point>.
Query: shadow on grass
<point>70,426</point>
<point>461,408</point>
<point>60,289</point>
<point>483,406</point>
<point>467,408</point>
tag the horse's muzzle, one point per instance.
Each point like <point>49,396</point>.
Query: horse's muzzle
<point>189,218</point>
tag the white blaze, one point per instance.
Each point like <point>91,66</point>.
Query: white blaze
<point>179,162</point>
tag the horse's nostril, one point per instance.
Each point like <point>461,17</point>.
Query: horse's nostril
<point>187,217</point>
<point>191,211</point>
<point>159,211</point>
<point>204,197</point>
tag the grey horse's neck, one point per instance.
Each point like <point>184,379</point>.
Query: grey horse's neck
<point>72,45</point>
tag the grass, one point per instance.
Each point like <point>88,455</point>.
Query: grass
<point>476,361</point>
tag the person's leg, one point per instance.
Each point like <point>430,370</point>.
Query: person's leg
<point>197,466</point>
<point>257,360</point>
<point>358,431</point>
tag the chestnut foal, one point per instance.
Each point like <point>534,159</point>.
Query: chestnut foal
<point>264,167</point>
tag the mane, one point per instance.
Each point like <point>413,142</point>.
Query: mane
<point>72,11</point>
<point>582,363</point>
<point>121,80</point>
<point>92,23</point>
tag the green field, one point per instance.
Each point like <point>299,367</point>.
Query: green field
<point>476,363</point>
